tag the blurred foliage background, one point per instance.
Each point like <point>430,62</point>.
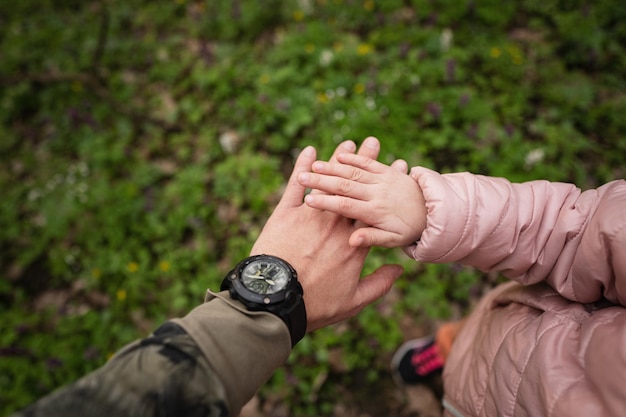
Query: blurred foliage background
<point>144,143</point>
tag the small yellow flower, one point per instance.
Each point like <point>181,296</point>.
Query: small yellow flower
<point>96,273</point>
<point>298,15</point>
<point>516,53</point>
<point>359,88</point>
<point>164,266</point>
<point>364,49</point>
<point>322,98</point>
<point>132,267</point>
<point>121,295</point>
<point>264,79</point>
<point>495,52</point>
<point>369,5</point>
<point>77,86</point>
<point>309,48</point>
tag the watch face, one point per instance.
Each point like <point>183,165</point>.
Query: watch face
<point>265,277</point>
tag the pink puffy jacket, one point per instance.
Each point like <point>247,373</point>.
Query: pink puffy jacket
<point>553,343</point>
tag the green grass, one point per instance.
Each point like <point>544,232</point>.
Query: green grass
<point>143,144</point>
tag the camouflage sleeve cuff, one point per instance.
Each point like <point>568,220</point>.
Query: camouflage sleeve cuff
<point>243,347</point>
<point>164,374</point>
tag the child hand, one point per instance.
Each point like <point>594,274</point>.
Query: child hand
<point>385,198</point>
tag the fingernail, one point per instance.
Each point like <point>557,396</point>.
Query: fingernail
<point>308,199</point>
<point>317,166</point>
<point>371,143</point>
<point>309,151</point>
<point>349,145</point>
<point>303,177</point>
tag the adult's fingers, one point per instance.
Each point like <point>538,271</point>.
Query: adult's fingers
<point>347,146</point>
<point>370,148</point>
<point>376,284</point>
<point>400,165</point>
<point>294,193</point>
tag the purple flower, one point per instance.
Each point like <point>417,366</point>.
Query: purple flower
<point>91,353</point>
<point>405,47</point>
<point>53,363</point>
<point>509,129</point>
<point>434,109</point>
<point>450,70</point>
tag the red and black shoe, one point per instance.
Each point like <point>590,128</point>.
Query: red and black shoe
<point>416,361</point>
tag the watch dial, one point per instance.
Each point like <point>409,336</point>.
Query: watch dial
<point>263,277</point>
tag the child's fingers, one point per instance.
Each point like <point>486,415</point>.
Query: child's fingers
<point>370,148</point>
<point>344,206</point>
<point>367,237</point>
<point>334,185</point>
<point>345,147</point>
<point>343,171</point>
<point>362,162</point>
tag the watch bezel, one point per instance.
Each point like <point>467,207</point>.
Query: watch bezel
<point>234,277</point>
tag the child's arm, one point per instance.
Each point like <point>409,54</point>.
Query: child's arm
<point>385,198</point>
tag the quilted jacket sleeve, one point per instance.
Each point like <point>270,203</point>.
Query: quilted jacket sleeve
<point>531,232</point>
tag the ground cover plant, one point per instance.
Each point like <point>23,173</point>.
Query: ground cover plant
<point>143,144</point>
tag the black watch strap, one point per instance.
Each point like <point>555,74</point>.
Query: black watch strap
<point>293,313</point>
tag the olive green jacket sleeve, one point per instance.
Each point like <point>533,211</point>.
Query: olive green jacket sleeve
<point>243,347</point>
<point>209,363</point>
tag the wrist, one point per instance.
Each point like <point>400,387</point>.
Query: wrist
<point>268,283</point>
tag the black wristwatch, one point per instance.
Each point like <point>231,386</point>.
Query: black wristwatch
<point>268,283</point>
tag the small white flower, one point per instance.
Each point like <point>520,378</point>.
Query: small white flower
<point>446,39</point>
<point>229,140</point>
<point>83,169</point>
<point>326,57</point>
<point>34,194</point>
<point>305,5</point>
<point>533,157</point>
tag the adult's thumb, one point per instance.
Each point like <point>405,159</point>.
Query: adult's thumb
<point>377,284</point>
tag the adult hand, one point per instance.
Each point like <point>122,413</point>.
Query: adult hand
<point>315,242</point>
<point>383,197</point>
